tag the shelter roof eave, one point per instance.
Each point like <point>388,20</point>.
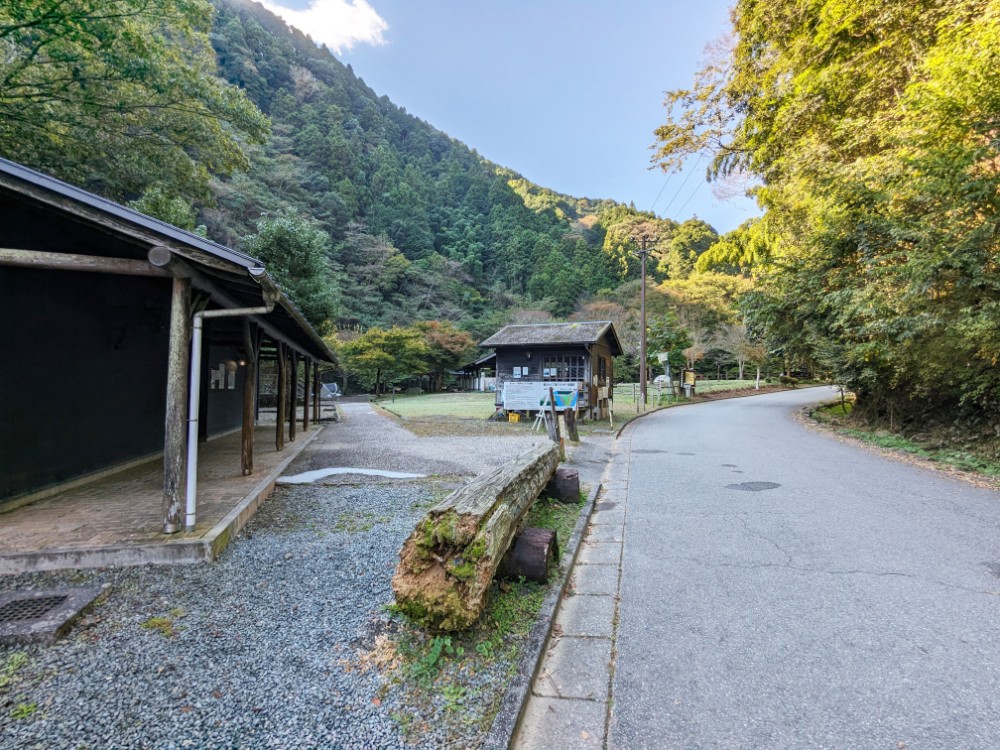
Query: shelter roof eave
<point>226,268</point>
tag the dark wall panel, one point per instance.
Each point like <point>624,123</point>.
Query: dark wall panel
<point>83,375</point>
<point>225,404</point>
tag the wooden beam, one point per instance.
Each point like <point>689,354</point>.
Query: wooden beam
<point>166,259</point>
<point>74,262</point>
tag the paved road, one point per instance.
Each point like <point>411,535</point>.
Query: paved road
<point>854,604</point>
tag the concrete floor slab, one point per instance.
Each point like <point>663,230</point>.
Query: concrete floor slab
<point>587,615</point>
<point>600,553</point>
<point>604,533</point>
<point>117,519</point>
<point>608,517</point>
<point>576,668</point>
<point>595,579</point>
<point>562,724</point>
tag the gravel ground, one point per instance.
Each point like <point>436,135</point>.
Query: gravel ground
<point>271,646</point>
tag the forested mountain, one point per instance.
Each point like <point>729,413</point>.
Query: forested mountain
<point>421,225</point>
<point>218,117</point>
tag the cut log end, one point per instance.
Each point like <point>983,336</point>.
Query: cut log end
<point>532,556</point>
<point>564,486</point>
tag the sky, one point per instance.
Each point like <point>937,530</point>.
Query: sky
<point>565,92</point>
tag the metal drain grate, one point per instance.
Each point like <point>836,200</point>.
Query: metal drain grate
<point>42,616</point>
<point>30,608</point>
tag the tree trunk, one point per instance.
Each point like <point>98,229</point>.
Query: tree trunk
<point>564,486</point>
<point>447,564</point>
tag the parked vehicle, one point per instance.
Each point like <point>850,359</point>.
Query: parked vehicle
<point>329,391</point>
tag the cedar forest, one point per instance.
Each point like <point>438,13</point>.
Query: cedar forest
<point>869,130</point>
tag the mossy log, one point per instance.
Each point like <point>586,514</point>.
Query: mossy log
<point>447,563</point>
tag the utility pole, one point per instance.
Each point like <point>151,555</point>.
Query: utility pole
<point>643,253</point>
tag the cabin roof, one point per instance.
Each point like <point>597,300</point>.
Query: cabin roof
<point>555,334</point>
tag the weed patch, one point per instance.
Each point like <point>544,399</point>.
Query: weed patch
<point>164,624</point>
<point>11,666</point>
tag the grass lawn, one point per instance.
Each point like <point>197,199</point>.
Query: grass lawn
<point>480,405</point>
<point>454,405</point>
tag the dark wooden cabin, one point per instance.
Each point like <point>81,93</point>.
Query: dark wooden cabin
<point>579,353</point>
<point>100,303</point>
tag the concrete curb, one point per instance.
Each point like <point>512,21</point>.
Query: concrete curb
<point>508,718</point>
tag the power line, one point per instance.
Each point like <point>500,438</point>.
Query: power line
<point>686,178</point>
<point>659,194</point>
<point>681,209</point>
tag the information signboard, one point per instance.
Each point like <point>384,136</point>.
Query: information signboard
<point>534,395</point>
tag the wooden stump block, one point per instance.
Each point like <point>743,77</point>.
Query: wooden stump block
<point>533,555</point>
<point>564,486</point>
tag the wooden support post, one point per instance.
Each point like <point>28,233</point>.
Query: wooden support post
<point>555,421</point>
<point>252,346</point>
<point>569,415</point>
<point>293,398</point>
<point>316,389</point>
<point>175,441</point>
<point>306,393</point>
<point>282,397</point>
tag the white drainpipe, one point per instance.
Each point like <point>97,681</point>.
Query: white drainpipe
<point>193,403</point>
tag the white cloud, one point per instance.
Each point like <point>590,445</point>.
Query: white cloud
<point>339,24</point>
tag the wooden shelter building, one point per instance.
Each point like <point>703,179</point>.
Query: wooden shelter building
<point>127,338</point>
<point>580,353</point>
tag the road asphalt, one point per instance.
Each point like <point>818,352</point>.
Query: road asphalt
<point>778,589</point>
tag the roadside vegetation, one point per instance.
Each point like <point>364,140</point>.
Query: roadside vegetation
<point>841,417</point>
<point>870,130</point>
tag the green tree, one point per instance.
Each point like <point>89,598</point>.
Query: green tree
<point>380,358</point>
<point>159,204</point>
<point>120,94</point>
<point>872,128</point>
<point>666,334</point>
<point>295,252</point>
<point>448,348</point>
<point>691,239</point>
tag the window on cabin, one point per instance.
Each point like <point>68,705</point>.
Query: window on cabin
<point>564,368</point>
